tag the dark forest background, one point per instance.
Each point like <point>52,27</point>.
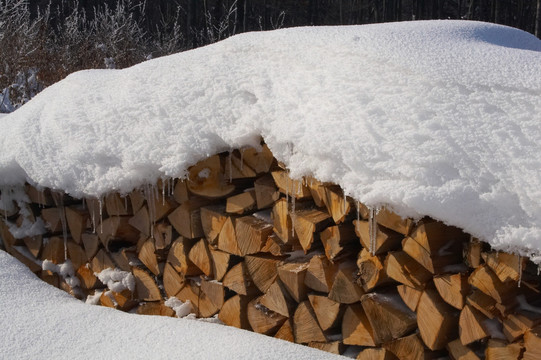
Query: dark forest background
<point>42,41</point>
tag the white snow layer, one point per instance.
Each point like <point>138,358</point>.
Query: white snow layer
<point>438,118</point>
<point>39,321</point>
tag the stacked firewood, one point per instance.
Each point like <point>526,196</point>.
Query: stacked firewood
<point>291,258</point>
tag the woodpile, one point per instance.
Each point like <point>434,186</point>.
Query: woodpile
<point>296,259</point>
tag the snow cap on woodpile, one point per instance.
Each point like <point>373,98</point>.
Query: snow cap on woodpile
<point>438,118</point>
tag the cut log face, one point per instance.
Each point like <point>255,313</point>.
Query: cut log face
<point>91,244</point>
<point>155,308</point>
<point>386,239</point>
<point>452,288</point>
<point>333,347</point>
<point>404,269</point>
<point>180,191</point>
<point>87,278</point>
<point>163,236</point>
<point>212,221</point>
<point>471,325</point>
<point>515,325</point>
<point>410,296</point>
<point>146,288</point>
<point>285,332</point>
<point>292,275</point>
<point>51,218</point>
<point>233,312</point>
<point>389,317</point>
<point>459,351</point>
<point>433,263</point>
<point>220,262</point>
<point>263,320</point>
<point>437,238</point>
<point>178,257</point>
<point>33,244</point>
<point>186,219</point>
<point>407,348</point>
<point>371,270</point>
<point>472,253</point>
<point>201,303</point>
<point>532,343</point>
<point>206,178</point>
<point>356,329</point>
<point>486,280</point>
<point>290,187</point>
<point>172,281</point>
<point>483,303</point>
<point>199,255</point>
<point>101,262</point>
<point>344,288</point>
<point>117,228</point>
<point>117,206</point>
<point>214,291</point>
<point>41,197</point>
<point>259,161</point>
<point>266,192</point>
<point>277,299</point>
<point>141,221</point>
<point>77,219</point>
<point>507,267</point>
<point>262,270</point>
<point>437,320</point>
<point>252,234</point>
<point>337,238</point>
<point>317,190</point>
<point>241,203</point>
<point>137,199</point>
<point>305,325</point>
<point>238,280</point>
<point>76,254</point>
<point>235,168</point>
<point>328,312</point>
<point>390,220</point>
<point>501,350</point>
<point>227,240</point>
<point>147,255</point>
<point>337,204</point>
<point>320,274</point>
<point>307,223</point>
<point>376,354</point>
<point>54,250</point>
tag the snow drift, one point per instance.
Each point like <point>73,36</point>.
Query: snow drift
<point>438,118</point>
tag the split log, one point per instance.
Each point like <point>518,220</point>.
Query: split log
<point>317,190</point>
<point>433,263</point>
<point>333,347</point>
<point>137,199</point>
<point>282,213</point>
<point>227,240</point>
<point>328,312</point>
<point>501,350</point>
<point>515,325</point>
<point>305,325</point>
<point>178,257</point>
<point>386,239</point>
<point>292,275</point>
<point>180,191</point>
<point>259,161</point>
<point>199,255</point>
<point>472,253</point>
<point>337,204</point>
<point>285,332</point>
<point>389,317</point>
<point>278,299</point>
<point>344,288</point>
<point>119,300</point>
<point>76,254</point>
<point>117,228</point>
<point>371,270</point>
<point>404,269</point>
<point>214,291</point>
<point>337,238</point>
<point>33,244</point>
<point>507,267</point>
<point>146,288</point>
<point>241,203</point>
<point>307,223</point>
<point>407,348</point>
<point>124,258</point>
<point>387,218</point>
<point>234,312</point>
<point>486,280</point>
<point>252,234</point>
<point>376,354</point>
<point>206,178</point>
<point>438,239</point>
<point>141,221</point>
<point>459,351</point>
<point>117,206</point>
<point>356,329</point>
<point>274,246</point>
<point>483,303</point>
<point>266,192</point>
<point>78,220</point>
<point>452,288</point>
<point>155,308</point>
<point>186,219</point>
<point>235,168</point>
<point>410,296</point>
<point>238,280</point>
<point>220,262</point>
<point>91,244</point>
<point>320,273</point>
<point>172,281</point>
<point>262,270</point>
<point>437,320</point>
<point>532,344</point>
<point>51,218</point>
<point>201,303</point>
<point>53,250</point>
<point>472,325</point>
<point>290,187</point>
<point>87,279</point>
<point>41,197</point>
<point>147,255</point>
<point>101,262</point>
<point>213,218</point>
<point>263,320</point>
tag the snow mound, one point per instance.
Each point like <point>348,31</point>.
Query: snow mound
<point>438,118</point>
<point>35,316</point>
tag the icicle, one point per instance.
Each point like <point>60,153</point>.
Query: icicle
<point>358,205</point>
<point>84,204</point>
<point>287,190</point>
<point>126,203</point>
<point>93,219</point>
<point>538,269</point>
<point>519,270</point>
<point>163,192</point>
<point>230,162</point>
<point>372,229</point>
<point>100,202</point>
<point>293,216</point>
<point>345,203</point>
<point>241,158</point>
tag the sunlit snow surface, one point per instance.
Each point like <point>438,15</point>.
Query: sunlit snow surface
<point>39,321</point>
<point>439,118</point>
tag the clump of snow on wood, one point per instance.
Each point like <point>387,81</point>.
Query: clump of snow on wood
<point>116,279</point>
<point>35,316</point>
<point>180,308</point>
<point>438,118</point>
<point>65,270</point>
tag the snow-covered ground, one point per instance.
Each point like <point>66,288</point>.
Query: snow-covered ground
<point>39,321</point>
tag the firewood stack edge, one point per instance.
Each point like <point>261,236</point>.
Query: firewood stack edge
<point>241,241</point>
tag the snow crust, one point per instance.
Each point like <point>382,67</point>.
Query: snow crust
<point>35,316</point>
<point>438,118</point>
